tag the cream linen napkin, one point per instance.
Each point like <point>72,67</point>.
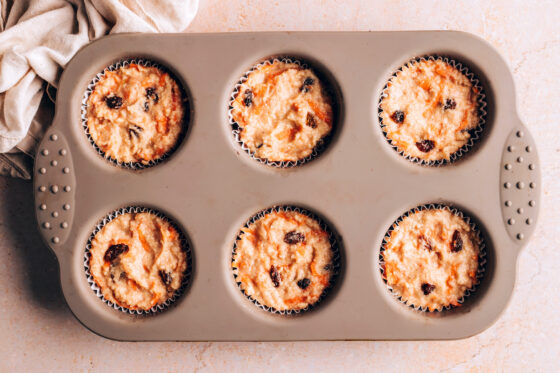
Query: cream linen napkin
<point>39,37</point>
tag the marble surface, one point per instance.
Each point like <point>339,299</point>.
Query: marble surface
<point>39,334</point>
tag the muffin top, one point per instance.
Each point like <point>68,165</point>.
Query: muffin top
<point>137,260</point>
<point>135,113</point>
<point>284,260</point>
<point>429,108</point>
<point>431,258</point>
<point>283,111</point>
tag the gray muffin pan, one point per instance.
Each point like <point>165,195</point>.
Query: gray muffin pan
<point>209,186</point>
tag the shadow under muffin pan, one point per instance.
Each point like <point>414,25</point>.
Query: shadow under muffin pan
<point>360,185</point>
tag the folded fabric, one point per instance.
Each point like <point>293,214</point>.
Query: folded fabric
<point>39,37</point>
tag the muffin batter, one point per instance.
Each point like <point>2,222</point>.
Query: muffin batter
<point>283,111</point>
<point>431,259</point>
<point>429,109</point>
<point>137,260</point>
<point>135,113</point>
<point>284,260</point>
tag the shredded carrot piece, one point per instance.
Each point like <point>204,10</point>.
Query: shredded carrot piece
<point>425,84</point>
<point>464,120</point>
<point>155,299</point>
<point>314,270</point>
<point>162,79</point>
<point>282,135</point>
<point>132,284</point>
<point>299,299</point>
<point>143,240</point>
<point>172,233</point>
<point>159,151</point>
<point>325,117</point>
<point>162,125</point>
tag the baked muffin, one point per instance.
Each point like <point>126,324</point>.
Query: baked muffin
<point>137,260</point>
<point>431,258</point>
<point>283,111</point>
<point>284,260</point>
<point>135,113</point>
<point>429,109</point>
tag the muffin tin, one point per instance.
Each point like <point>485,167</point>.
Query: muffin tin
<point>209,186</point>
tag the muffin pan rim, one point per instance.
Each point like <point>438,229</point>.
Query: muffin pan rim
<point>64,251</point>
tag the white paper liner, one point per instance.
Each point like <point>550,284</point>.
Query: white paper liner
<point>335,262</point>
<point>184,244</point>
<point>185,121</point>
<point>475,132</point>
<point>319,147</point>
<point>481,256</point>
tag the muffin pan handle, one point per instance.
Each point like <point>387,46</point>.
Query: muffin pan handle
<point>520,184</point>
<point>55,187</point>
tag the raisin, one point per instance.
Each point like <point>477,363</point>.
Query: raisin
<point>135,130</point>
<point>427,288</point>
<point>114,251</point>
<point>449,104</point>
<point>310,121</point>
<point>425,243</point>
<point>165,277</point>
<point>398,116</point>
<point>146,106</point>
<point>307,83</point>
<point>303,283</point>
<point>456,242</point>
<point>259,146</point>
<point>248,100</point>
<point>293,237</point>
<point>425,145</point>
<point>274,276</point>
<point>113,102</point>
<point>151,92</point>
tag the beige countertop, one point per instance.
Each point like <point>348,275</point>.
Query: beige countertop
<point>38,332</point>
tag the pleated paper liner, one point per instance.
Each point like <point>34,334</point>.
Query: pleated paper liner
<point>335,262</point>
<point>475,133</point>
<point>481,256</point>
<point>184,244</point>
<point>321,145</point>
<point>185,122</point>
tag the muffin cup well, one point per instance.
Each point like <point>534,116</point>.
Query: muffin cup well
<point>116,66</point>
<point>336,260</point>
<point>184,244</point>
<point>475,132</point>
<point>321,145</point>
<point>481,256</point>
